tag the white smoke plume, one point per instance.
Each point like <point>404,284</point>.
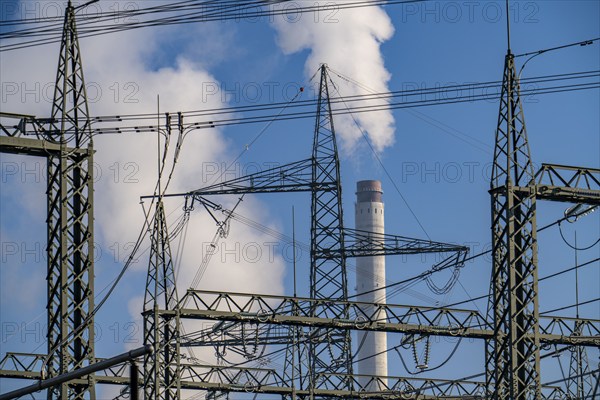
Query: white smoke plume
<point>349,41</point>
<point>122,78</point>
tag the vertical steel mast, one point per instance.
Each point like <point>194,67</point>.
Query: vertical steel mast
<point>70,223</point>
<point>162,367</point>
<point>328,280</point>
<point>513,356</point>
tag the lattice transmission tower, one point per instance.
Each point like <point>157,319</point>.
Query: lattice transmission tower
<point>316,330</point>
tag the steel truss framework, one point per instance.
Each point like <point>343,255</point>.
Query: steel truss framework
<point>581,385</point>
<point>257,380</point>
<point>165,378</point>
<point>320,176</point>
<point>162,367</point>
<point>321,325</point>
<point>313,321</point>
<point>513,356</point>
<point>255,310</point>
<point>65,141</point>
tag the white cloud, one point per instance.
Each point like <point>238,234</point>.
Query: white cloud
<point>121,80</point>
<point>21,256</point>
<point>349,41</point>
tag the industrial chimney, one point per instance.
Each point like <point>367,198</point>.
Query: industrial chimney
<point>370,275</point>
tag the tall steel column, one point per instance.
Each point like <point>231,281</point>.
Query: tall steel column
<point>161,368</point>
<point>70,223</point>
<point>513,356</point>
<point>581,382</point>
<point>328,279</point>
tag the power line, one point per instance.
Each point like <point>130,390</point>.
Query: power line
<point>429,272</point>
<point>421,276</point>
<point>574,247</point>
<point>207,7</point>
<point>432,368</point>
<point>564,271</point>
<point>426,118</point>
<point>197,12</point>
<point>141,236</point>
<point>571,306</point>
<point>572,377</point>
<point>376,155</point>
<point>564,46</point>
<point>437,92</point>
<point>209,123</point>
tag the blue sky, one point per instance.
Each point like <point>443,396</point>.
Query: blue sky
<point>439,159</point>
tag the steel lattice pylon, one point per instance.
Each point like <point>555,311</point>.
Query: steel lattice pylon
<point>512,346</point>
<point>161,368</point>
<point>513,356</point>
<point>581,385</point>
<point>70,222</point>
<point>327,274</point>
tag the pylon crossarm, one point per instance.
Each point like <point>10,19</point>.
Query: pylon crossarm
<point>78,376</point>
<point>570,330</point>
<point>232,334</point>
<point>261,380</point>
<point>359,243</point>
<point>569,176</point>
<point>292,177</point>
<point>22,365</point>
<point>296,311</point>
<point>243,377</point>
<point>266,380</point>
<point>568,184</point>
<point>281,310</point>
<point>8,127</point>
<point>38,147</point>
<point>270,381</point>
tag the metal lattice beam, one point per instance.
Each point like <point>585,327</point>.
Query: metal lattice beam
<point>581,384</point>
<point>513,360</point>
<point>162,367</point>
<point>328,278</point>
<point>513,356</point>
<point>568,184</point>
<point>65,141</point>
<point>434,321</point>
<point>292,177</point>
<point>358,243</point>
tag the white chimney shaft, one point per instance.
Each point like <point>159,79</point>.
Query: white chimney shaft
<point>370,275</point>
